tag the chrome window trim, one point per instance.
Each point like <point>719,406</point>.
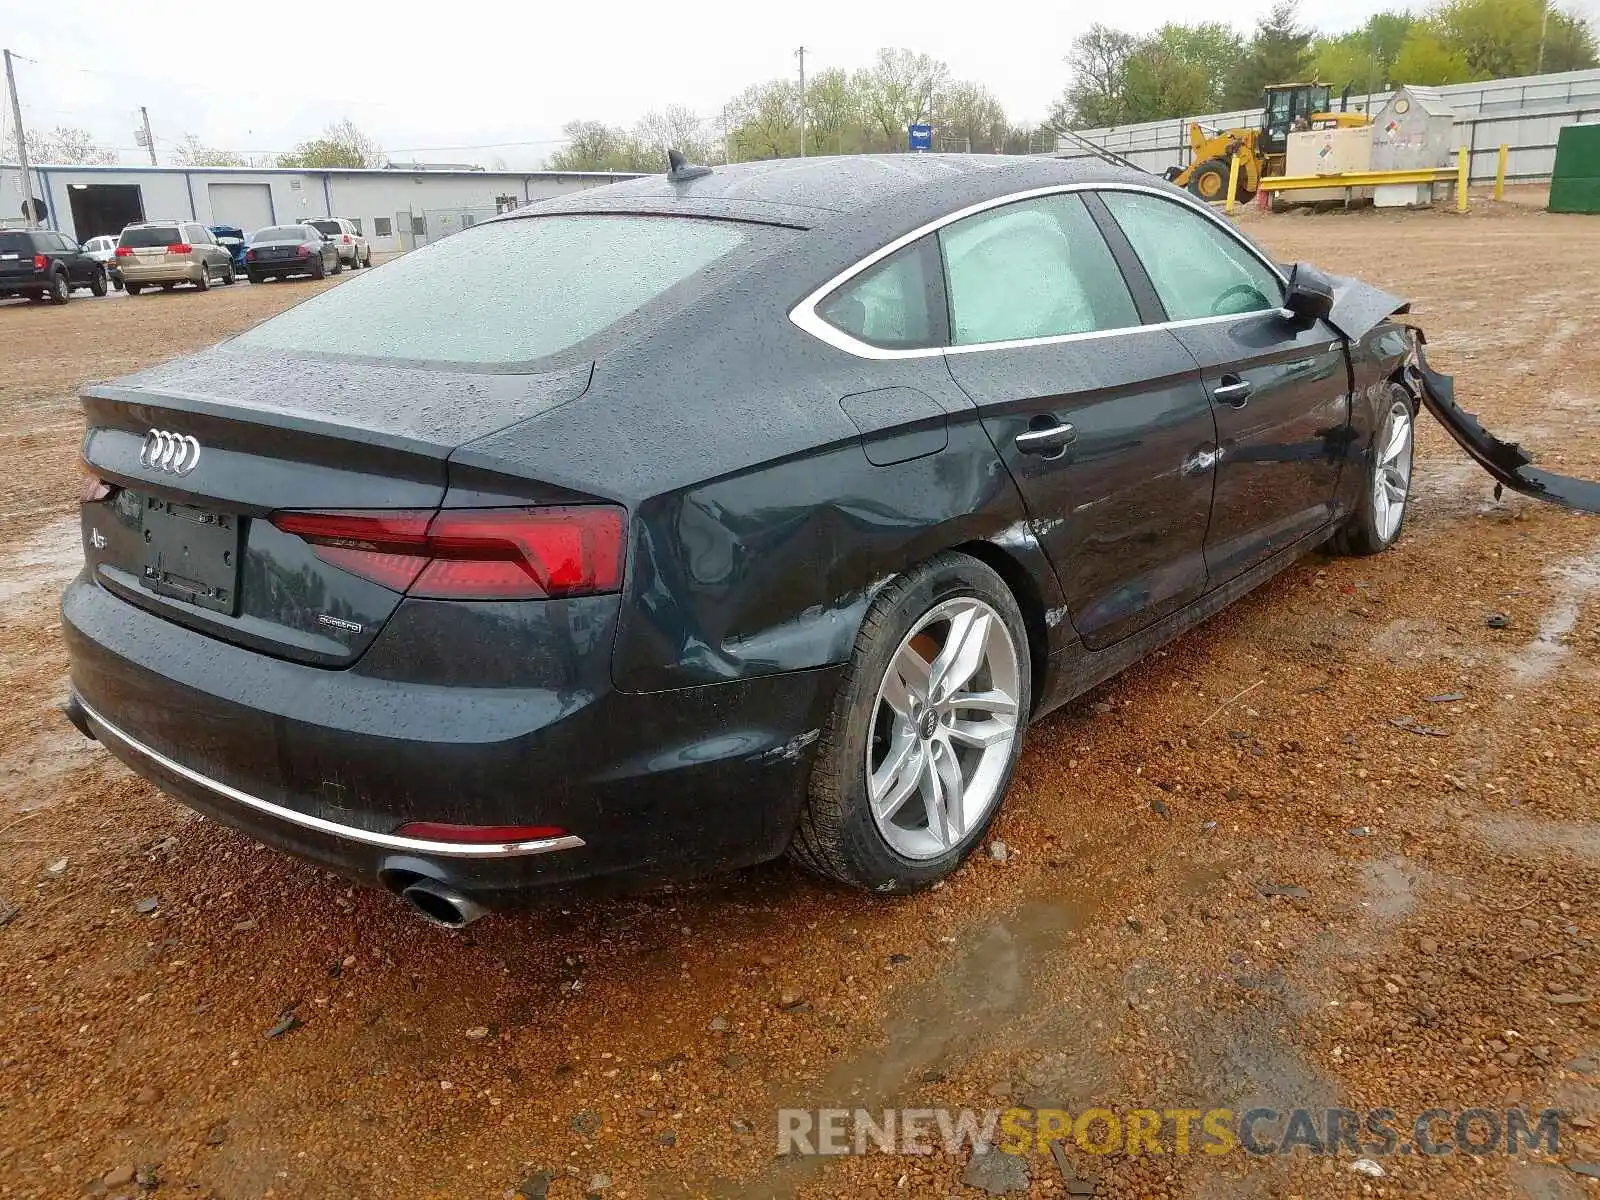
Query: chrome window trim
<point>804,314</point>
<point>383,841</point>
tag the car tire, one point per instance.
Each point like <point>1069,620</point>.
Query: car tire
<point>366,259</point>
<point>133,289</point>
<point>886,715</point>
<point>167,287</point>
<point>204,283</point>
<point>338,264</point>
<point>117,283</point>
<point>1386,484</point>
<point>319,269</point>
<point>229,276</point>
<point>60,288</point>
<point>98,283</point>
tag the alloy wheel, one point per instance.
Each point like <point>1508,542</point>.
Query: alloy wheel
<point>1391,476</point>
<point>943,726</point>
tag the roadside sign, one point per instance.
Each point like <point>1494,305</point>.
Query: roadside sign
<point>920,136</point>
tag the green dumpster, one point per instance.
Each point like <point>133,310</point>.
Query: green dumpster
<point>1575,186</point>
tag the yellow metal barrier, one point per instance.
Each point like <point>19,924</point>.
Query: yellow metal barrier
<point>1354,179</point>
<point>1500,172</point>
<point>1233,181</point>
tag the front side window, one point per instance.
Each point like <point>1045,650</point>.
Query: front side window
<point>519,290</point>
<point>1037,268</point>
<point>893,304</point>
<point>1198,268</point>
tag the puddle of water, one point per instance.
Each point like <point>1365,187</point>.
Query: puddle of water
<point>45,561</point>
<point>1574,582</point>
<point>1390,889</point>
<point>1535,838</point>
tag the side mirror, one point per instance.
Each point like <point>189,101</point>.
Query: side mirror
<point>1310,294</point>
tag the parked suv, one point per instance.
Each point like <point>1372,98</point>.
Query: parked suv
<point>41,264</point>
<point>169,253</point>
<point>354,249</point>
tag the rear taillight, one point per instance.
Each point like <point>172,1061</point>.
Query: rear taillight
<point>40,262</point>
<point>345,239</point>
<point>303,252</point>
<point>475,553</point>
<point>179,248</point>
<point>124,252</point>
<point>249,256</point>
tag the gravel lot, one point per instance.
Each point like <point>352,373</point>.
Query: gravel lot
<point>1436,945</point>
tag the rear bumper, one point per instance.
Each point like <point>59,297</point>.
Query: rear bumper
<point>35,281</point>
<point>283,266</point>
<point>327,764</point>
<point>188,272</point>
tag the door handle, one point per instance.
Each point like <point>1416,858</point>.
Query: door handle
<point>1049,440</point>
<point>1233,391</point>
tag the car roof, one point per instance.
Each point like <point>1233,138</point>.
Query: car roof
<point>813,192</point>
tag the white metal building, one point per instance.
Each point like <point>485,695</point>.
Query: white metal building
<point>418,206</point>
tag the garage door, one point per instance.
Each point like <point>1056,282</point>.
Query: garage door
<point>247,205</point>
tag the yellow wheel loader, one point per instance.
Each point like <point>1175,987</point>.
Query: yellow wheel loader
<point>1286,107</point>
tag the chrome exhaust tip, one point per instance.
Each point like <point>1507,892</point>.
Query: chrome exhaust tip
<point>441,905</point>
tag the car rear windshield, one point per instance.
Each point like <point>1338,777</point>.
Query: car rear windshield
<point>151,235</point>
<point>328,227</point>
<point>16,243</point>
<point>280,233</point>
<point>509,292</point>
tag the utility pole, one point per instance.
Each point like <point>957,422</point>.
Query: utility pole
<point>1544,27</point>
<point>22,146</point>
<point>802,53</point>
<point>149,138</point>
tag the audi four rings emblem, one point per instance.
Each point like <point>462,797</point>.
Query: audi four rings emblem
<point>175,453</point>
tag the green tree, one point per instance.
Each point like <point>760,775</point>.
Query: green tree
<point>1280,52</point>
<point>970,117</point>
<point>898,90</point>
<point>342,144</point>
<point>768,120</point>
<point>1569,43</point>
<point>67,144</point>
<point>1426,58</point>
<point>1498,38</point>
<point>1211,47</point>
<point>833,113</point>
<point>191,153</point>
<point>1097,76</point>
<point>675,127</point>
<point>1159,84</point>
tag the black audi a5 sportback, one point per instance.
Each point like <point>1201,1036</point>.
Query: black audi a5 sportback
<point>673,525</point>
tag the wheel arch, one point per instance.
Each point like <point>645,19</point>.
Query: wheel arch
<point>1024,589</point>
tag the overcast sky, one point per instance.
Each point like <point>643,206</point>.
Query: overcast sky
<point>429,81</point>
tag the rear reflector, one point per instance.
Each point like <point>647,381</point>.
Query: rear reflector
<point>475,553</point>
<point>478,835</point>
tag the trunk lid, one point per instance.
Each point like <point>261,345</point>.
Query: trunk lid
<point>204,449</point>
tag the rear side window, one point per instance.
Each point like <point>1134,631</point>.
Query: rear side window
<point>16,243</point>
<point>508,292</point>
<point>150,235</point>
<point>895,304</point>
<point>1037,268</point>
<point>1197,268</point>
